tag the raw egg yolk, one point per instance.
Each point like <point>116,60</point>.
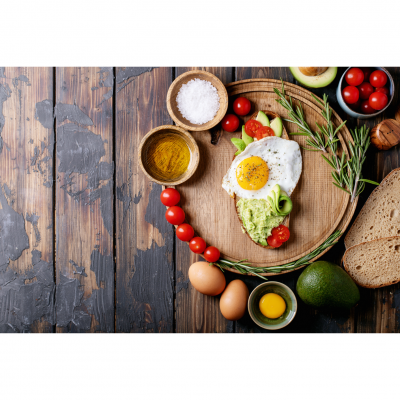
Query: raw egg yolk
<point>272,305</point>
<point>252,173</point>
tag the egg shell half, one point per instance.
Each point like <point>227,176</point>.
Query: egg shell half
<point>207,279</point>
<point>233,302</point>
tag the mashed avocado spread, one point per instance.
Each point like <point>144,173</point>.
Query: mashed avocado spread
<point>258,218</point>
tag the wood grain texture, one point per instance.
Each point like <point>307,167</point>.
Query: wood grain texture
<point>386,134</point>
<point>144,239</point>
<point>26,162</point>
<point>84,200</point>
<point>194,311</point>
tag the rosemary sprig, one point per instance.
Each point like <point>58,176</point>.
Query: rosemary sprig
<point>315,139</point>
<point>354,180</point>
<point>246,268</point>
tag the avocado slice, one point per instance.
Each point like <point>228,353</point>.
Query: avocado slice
<point>277,126</point>
<point>240,144</point>
<point>318,81</point>
<point>287,205</point>
<point>263,242</point>
<point>326,285</point>
<point>246,138</point>
<point>262,118</point>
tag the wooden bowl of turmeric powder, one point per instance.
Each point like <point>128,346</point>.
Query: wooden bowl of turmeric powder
<point>168,155</point>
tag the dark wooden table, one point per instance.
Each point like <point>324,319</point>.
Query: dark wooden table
<point>84,245</point>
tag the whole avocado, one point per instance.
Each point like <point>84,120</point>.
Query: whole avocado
<point>326,285</point>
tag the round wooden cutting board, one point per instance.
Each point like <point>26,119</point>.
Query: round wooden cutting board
<point>319,208</point>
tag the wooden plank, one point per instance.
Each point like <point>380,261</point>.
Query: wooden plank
<point>84,200</point>
<point>379,309</point>
<point>26,200</point>
<point>145,241</point>
<point>194,311</point>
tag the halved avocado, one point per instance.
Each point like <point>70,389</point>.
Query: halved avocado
<point>277,126</point>
<point>262,118</point>
<point>318,81</point>
<point>245,137</point>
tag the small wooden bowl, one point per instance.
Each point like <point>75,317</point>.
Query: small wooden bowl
<point>194,153</point>
<point>173,106</point>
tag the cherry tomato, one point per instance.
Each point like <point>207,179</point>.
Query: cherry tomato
<point>366,108</point>
<point>367,73</point>
<point>350,94</point>
<point>175,215</point>
<point>230,123</point>
<point>354,76</point>
<point>282,233</point>
<point>211,254</point>
<point>365,89</point>
<point>378,78</point>
<point>241,106</point>
<point>273,241</point>
<point>170,197</point>
<point>197,245</point>
<point>384,90</point>
<point>184,232</point>
<point>356,106</point>
<point>263,132</point>
<point>378,100</point>
<point>251,126</point>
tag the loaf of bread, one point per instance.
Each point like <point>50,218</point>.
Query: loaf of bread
<point>374,264</point>
<point>380,216</point>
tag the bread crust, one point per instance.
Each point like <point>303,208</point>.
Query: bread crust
<point>370,199</point>
<point>348,270</point>
<point>286,221</point>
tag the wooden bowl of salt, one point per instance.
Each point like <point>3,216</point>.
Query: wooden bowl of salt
<point>194,104</point>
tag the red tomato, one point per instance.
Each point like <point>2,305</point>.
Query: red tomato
<point>350,94</point>
<point>356,106</point>
<point>282,233</point>
<point>175,215</point>
<point>185,232</point>
<point>367,73</point>
<point>354,76</point>
<point>366,108</point>
<point>263,132</point>
<point>230,123</point>
<point>366,89</point>
<point>170,197</point>
<point>211,254</point>
<point>378,100</point>
<point>241,106</point>
<point>251,126</point>
<point>197,245</point>
<point>378,78</point>
<point>273,241</point>
<point>383,90</point>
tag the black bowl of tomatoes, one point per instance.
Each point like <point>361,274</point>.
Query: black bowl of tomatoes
<point>364,92</point>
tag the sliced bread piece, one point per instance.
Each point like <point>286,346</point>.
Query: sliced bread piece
<point>380,216</point>
<point>374,264</point>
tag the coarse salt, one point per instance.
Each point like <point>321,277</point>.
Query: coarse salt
<point>198,101</point>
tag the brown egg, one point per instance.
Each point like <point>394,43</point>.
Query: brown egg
<point>206,278</point>
<point>233,302</point>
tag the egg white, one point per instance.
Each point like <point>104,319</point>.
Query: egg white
<point>284,161</point>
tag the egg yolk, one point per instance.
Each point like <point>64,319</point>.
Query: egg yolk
<point>272,305</point>
<point>252,173</point>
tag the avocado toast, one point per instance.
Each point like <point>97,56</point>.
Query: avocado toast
<point>282,134</point>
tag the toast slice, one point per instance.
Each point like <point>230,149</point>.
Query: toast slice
<point>380,216</point>
<point>271,115</point>
<point>374,264</point>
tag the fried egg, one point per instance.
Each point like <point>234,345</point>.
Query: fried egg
<point>262,165</point>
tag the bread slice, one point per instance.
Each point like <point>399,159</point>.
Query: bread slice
<point>380,216</point>
<point>374,264</point>
<point>271,115</point>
